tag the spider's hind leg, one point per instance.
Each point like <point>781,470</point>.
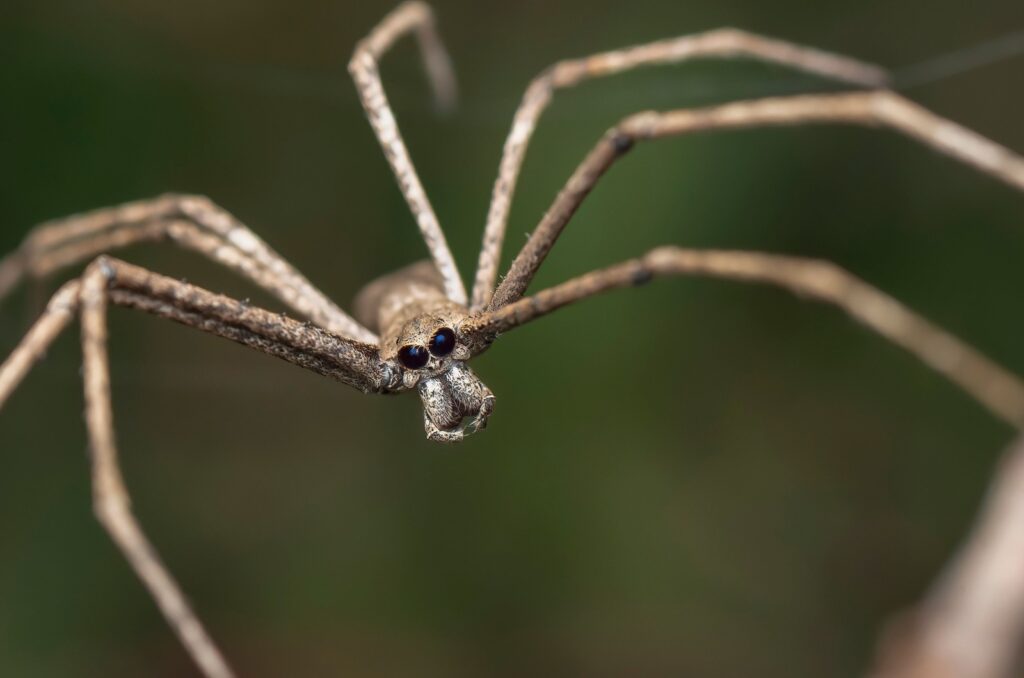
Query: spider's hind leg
<point>721,43</point>
<point>415,17</point>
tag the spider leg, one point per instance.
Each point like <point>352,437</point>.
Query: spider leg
<point>409,16</point>
<point>722,43</point>
<point>193,222</point>
<point>108,280</point>
<point>111,501</point>
<point>59,312</point>
<point>879,108</point>
<point>997,389</point>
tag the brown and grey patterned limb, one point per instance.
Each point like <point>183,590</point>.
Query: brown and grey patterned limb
<point>108,280</point>
<point>723,43</point>
<point>192,222</point>
<point>58,314</point>
<point>111,501</point>
<point>1000,391</point>
<point>407,17</point>
<point>879,108</point>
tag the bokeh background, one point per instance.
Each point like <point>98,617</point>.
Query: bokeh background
<point>695,478</point>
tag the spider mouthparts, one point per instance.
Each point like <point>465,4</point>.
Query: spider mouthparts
<point>455,403</point>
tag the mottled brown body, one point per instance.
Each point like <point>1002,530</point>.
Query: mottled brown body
<point>393,301</point>
<point>407,308</point>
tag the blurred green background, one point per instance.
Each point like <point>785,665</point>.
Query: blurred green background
<point>695,478</point>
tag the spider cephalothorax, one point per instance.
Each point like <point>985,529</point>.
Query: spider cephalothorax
<point>435,363</point>
<point>420,331</point>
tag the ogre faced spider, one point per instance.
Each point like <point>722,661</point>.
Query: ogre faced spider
<point>416,328</point>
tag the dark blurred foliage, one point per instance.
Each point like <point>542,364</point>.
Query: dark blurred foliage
<point>695,478</point>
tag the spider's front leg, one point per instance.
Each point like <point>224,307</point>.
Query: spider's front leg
<point>192,222</point>
<point>721,43</point>
<point>879,108</point>
<point>990,384</point>
<point>106,281</point>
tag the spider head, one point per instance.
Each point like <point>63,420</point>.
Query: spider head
<point>434,357</point>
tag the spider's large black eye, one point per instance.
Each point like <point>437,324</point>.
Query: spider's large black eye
<point>413,357</point>
<point>443,342</point>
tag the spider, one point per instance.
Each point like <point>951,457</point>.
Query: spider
<point>417,328</point>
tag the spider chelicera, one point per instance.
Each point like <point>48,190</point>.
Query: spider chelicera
<point>417,328</point>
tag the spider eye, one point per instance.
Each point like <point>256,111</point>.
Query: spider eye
<point>413,357</point>
<point>443,342</point>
